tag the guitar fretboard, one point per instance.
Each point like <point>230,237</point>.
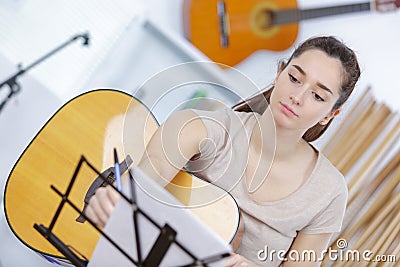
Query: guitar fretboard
<point>287,16</point>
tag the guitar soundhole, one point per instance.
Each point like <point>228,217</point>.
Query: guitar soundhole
<point>264,19</point>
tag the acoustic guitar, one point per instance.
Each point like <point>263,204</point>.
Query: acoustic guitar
<point>228,31</point>
<point>91,125</point>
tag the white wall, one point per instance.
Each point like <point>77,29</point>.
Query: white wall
<point>123,55</point>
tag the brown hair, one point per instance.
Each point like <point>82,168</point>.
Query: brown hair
<point>333,48</point>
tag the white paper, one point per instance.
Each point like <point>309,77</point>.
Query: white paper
<point>193,234</point>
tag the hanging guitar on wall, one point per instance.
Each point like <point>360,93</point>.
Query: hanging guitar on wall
<point>229,31</point>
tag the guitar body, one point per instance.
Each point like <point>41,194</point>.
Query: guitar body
<point>91,124</point>
<point>245,33</point>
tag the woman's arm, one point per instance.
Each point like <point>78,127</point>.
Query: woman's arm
<point>303,247</point>
<point>307,250</point>
<point>172,146</point>
<point>169,149</point>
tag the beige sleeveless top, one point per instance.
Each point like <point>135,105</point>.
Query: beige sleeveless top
<point>317,206</point>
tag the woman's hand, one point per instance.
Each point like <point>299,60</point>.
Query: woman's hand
<point>235,260</point>
<point>101,205</point>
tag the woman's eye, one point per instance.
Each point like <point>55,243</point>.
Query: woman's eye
<point>292,78</point>
<point>318,97</point>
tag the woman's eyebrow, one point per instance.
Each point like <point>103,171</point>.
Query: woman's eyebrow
<point>318,83</point>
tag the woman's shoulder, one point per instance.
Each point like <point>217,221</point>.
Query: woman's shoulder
<point>226,117</point>
<point>226,126</point>
<point>186,125</point>
<point>330,176</point>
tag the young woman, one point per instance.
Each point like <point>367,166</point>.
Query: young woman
<point>292,199</point>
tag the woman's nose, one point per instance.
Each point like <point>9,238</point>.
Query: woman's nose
<point>295,100</point>
<point>297,96</point>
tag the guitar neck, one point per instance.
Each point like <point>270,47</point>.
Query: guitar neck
<point>288,16</point>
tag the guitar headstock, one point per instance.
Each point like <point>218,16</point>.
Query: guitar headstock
<point>386,5</point>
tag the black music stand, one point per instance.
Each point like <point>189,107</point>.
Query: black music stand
<point>166,236</point>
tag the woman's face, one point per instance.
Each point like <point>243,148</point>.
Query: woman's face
<point>306,91</point>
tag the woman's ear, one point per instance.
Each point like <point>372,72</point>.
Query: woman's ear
<point>281,67</point>
<point>336,112</point>
<point>326,119</point>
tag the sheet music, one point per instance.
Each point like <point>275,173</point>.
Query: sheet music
<point>193,234</point>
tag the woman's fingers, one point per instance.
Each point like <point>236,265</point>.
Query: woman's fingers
<point>107,198</point>
<point>101,205</point>
<point>113,195</point>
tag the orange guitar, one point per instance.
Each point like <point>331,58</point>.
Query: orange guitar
<point>228,31</point>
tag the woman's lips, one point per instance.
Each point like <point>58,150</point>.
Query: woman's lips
<point>287,110</point>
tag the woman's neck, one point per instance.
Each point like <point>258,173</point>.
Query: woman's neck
<point>287,145</point>
<point>272,140</point>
